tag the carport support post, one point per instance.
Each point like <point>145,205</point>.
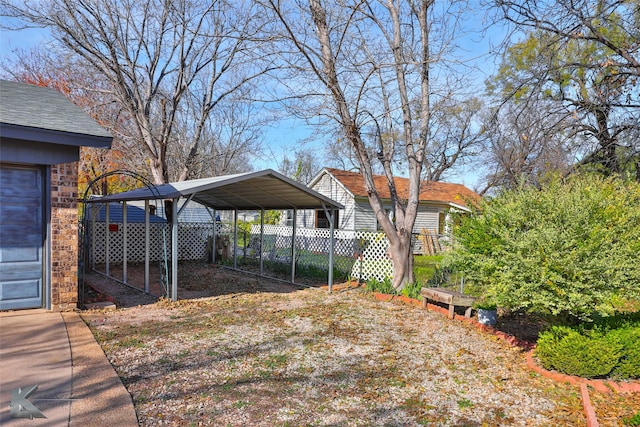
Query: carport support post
<point>94,211</point>
<point>213,236</point>
<point>331,247</point>
<point>124,242</point>
<point>146,246</point>
<point>106,240</point>
<point>293,246</point>
<point>235,238</point>
<point>261,239</point>
<point>174,250</point>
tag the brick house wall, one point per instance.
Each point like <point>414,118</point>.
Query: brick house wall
<point>64,236</point>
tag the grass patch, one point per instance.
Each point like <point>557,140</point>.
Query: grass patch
<point>424,267</point>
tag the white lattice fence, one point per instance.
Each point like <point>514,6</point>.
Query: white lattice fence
<point>192,242</point>
<point>356,253</point>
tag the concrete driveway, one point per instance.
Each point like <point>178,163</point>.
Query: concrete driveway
<point>76,385</point>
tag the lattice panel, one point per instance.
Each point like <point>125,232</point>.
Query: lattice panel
<point>192,242</point>
<point>359,254</point>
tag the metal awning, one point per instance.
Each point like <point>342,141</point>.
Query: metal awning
<point>263,190</point>
<point>266,189</point>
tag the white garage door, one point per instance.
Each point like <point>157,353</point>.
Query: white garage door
<point>21,237</point>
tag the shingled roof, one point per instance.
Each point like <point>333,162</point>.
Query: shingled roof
<point>431,191</point>
<point>42,114</point>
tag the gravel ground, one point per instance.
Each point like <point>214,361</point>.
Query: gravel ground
<point>261,353</point>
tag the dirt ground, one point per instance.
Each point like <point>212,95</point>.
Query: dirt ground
<point>239,350</point>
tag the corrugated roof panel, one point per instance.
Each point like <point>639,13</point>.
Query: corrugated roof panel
<point>265,189</point>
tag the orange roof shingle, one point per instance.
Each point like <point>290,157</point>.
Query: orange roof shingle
<point>431,191</point>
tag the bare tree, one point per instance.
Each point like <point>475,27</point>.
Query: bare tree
<point>582,55</point>
<point>90,92</point>
<point>170,64</point>
<point>612,24</point>
<point>302,168</point>
<point>524,146</point>
<point>367,66</point>
<point>457,136</point>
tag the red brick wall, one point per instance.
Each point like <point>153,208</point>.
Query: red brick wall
<point>64,236</point>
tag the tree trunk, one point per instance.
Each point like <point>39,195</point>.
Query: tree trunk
<point>401,254</point>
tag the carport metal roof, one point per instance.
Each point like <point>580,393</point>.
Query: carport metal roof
<point>264,189</point>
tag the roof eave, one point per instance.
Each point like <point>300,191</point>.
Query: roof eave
<point>48,136</point>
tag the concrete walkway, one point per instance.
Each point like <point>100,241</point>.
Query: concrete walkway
<point>57,352</point>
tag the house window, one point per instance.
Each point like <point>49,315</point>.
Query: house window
<point>323,222</point>
<point>442,222</point>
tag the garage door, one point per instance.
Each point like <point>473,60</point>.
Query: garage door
<point>21,237</point>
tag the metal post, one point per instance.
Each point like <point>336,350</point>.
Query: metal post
<point>214,253</point>
<point>146,245</point>
<point>235,238</point>
<point>174,250</point>
<point>261,241</point>
<point>293,245</point>
<point>124,242</point>
<point>331,248</point>
<point>106,240</point>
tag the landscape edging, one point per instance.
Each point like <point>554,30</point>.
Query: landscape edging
<point>603,386</point>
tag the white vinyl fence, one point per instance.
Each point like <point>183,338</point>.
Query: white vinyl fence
<point>357,254</point>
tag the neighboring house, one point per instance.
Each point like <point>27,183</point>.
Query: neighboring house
<point>41,133</point>
<point>199,214</point>
<point>135,214</point>
<point>437,200</point>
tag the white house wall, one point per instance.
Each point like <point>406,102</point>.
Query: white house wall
<point>358,214</point>
<point>332,189</point>
<point>365,219</point>
<point>427,218</point>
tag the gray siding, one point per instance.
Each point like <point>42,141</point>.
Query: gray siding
<point>365,219</point>
<point>330,188</point>
<point>427,218</point>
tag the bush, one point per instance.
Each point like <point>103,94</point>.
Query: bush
<point>629,364</point>
<point>570,352</point>
<point>412,290</point>
<point>386,287</point>
<point>567,249</point>
<point>606,348</point>
<point>633,421</point>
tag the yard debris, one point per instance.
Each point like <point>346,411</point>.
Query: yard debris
<point>275,355</point>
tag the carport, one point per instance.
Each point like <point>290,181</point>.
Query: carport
<point>262,190</point>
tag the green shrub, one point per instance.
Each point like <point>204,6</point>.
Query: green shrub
<point>607,347</point>
<point>412,290</point>
<point>384,287</point>
<point>629,364</point>
<point>569,248</point>
<point>571,352</point>
<point>633,421</point>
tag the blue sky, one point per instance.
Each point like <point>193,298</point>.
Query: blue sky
<point>281,139</point>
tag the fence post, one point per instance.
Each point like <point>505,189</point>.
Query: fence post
<point>146,246</point>
<point>106,240</point>
<point>174,250</point>
<point>293,246</point>
<point>331,247</point>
